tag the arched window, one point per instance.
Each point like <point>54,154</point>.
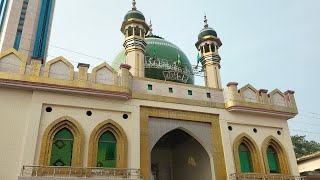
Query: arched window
<point>206,48</point>
<point>245,158</point>
<point>130,31</point>
<point>107,148</point>
<point>213,47</point>
<point>137,31</point>
<point>273,160</point>
<point>62,147</point>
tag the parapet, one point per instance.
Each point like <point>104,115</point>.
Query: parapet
<point>249,99</point>
<point>58,75</point>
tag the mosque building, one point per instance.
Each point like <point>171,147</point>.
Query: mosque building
<point>139,118</point>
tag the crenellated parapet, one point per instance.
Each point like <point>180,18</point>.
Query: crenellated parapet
<point>58,75</point>
<point>249,99</point>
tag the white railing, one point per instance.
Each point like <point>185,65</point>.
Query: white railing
<point>256,176</point>
<point>64,171</point>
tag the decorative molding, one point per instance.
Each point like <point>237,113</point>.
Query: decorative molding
<point>165,99</point>
<point>60,85</point>
<point>216,137</point>
<point>122,143</point>
<point>49,133</point>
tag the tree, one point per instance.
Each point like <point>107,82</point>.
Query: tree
<point>304,147</point>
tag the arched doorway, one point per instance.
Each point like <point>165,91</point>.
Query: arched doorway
<point>177,155</point>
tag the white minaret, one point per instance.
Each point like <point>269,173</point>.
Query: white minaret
<point>25,25</point>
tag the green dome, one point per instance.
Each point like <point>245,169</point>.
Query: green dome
<point>134,14</point>
<point>207,32</point>
<point>164,67</point>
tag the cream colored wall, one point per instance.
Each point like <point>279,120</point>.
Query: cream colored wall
<point>14,105</point>
<point>32,105</point>
<point>102,109</point>
<point>309,165</point>
<point>265,125</point>
<point>179,90</point>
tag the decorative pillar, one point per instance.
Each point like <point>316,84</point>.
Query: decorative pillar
<point>83,71</point>
<point>291,98</point>
<point>264,95</point>
<point>35,67</point>
<point>125,75</point>
<point>233,89</point>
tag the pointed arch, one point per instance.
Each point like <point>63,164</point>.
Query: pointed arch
<point>47,139</point>
<point>121,146</point>
<point>281,154</point>
<point>254,153</point>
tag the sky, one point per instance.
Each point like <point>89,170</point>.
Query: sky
<point>269,44</point>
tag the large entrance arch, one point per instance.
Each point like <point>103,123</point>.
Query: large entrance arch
<point>177,155</point>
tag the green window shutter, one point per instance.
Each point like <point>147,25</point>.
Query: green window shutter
<point>272,160</point>
<point>149,87</point>
<point>107,150</point>
<point>170,90</point>
<point>62,146</point>
<point>245,159</point>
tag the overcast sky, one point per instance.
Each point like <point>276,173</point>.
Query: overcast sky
<point>269,44</point>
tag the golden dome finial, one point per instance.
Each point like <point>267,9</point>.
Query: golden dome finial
<point>134,5</point>
<point>205,21</point>
<point>150,29</point>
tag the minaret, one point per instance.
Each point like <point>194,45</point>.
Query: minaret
<point>135,28</point>
<point>25,26</point>
<point>208,44</point>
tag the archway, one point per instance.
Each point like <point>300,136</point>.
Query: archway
<point>177,155</point>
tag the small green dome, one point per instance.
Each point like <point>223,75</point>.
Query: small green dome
<point>207,32</point>
<point>134,14</point>
<point>164,65</point>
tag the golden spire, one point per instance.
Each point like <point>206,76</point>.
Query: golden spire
<point>205,21</point>
<point>150,29</point>
<point>134,5</point>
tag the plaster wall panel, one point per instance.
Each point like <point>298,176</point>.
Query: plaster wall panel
<point>105,76</point>
<point>14,107</point>
<point>59,70</point>
<point>10,63</point>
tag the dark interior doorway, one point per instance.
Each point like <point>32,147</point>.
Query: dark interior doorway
<point>177,155</point>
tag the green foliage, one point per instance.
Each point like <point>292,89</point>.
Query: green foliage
<point>304,147</point>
